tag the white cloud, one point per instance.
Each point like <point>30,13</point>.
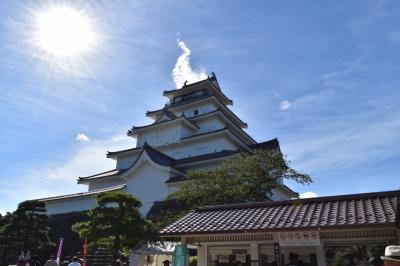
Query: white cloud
<point>59,178</point>
<point>82,138</point>
<point>284,105</point>
<point>308,194</point>
<point>183,71</point>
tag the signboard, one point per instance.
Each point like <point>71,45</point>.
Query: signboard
<point>239,251</point>
<point>299,238</point>
<point>180,255</point>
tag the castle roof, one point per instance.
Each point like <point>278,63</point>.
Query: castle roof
<point>210,83</point>
<point>165,160</point>
<point>84,194</point>
<point>173,119</point>
<point>367,209</point>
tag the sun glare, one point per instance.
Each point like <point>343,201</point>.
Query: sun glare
<point>63,32</point>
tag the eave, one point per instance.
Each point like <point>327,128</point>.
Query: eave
<point>182,119</point>
<point>83,194</point>
<point>195,86</point>
<point>221,106</point>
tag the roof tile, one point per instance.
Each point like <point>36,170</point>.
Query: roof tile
<point>347,210</point>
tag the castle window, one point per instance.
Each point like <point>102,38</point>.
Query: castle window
<point>196,112</point>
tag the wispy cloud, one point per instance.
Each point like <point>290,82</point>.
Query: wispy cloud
<point>284,105</point>
<point>182,71</point>
<point>308,194</point>
<point>59,178</point>
<point>82,138</point>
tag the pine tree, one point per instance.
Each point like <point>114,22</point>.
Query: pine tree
<point>115,223</point>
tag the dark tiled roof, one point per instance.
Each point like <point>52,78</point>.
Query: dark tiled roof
<point>166,160</point>
<point>111,153</point>
<point>272,144</point>
<point>109,173</point>
<point>158,156</point>
<point>84,194</point>
<point>163,122</point>
<point>207,156</point>
<point>175,179</point>
<point>205,133</point>
<point>326,212</point>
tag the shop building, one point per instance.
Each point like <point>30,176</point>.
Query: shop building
<point>335,230</point>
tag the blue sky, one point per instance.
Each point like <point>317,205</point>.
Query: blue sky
<point>323,77</point>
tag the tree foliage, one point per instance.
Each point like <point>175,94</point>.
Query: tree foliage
<point>244,177</point>
<point>115,223</point>
<point>25,230</point>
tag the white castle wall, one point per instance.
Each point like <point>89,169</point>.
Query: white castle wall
<point>199,147</point>
<point>69,205</point>
<point>105,183</point>
<point>160,136</point>
<point>210,124</point>
<point>201,107</point>
<point>148,184</point>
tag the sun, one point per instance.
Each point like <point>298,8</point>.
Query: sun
<point>63,32</point>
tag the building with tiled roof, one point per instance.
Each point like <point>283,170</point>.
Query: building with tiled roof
<point>335,230</point>
<point>195,130</point>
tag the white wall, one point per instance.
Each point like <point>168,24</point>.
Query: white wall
<point>124,162</point>
<point>160,135</point>
<point>202,107</point>
<point>70,205</point>
<point>278,194</point>
<point>148,184</point>
<point>105,183</point>
<point>211,123</point>
<point>197,147</point>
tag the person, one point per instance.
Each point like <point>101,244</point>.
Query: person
<point>392,256</point>
<point>75,262</point>
<point>66,261</point>
<point>239,263</point>
<point>292,259</point>
<point>51,261</point>
<point>376,261</point>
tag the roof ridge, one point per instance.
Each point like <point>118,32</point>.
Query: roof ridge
<point>87,193</point>
<point>298,201</point>
<point>82,177</point>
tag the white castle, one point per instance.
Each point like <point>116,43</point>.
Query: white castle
<point>194,131</point>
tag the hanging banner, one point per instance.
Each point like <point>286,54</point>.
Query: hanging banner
<point>60,245</point>
<point>180,255</point>
<point>299,238</point>
<point>84,252</point>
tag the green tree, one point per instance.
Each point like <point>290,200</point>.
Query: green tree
<point>25,230</point>
<point>244,177</point>
<point>6,238</point>
<point>115,223</point>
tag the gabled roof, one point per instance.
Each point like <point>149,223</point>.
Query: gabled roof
<point>167,113</point>
<point>224,129</point>
<point>157,156</point>
<point>272,144</point>
<point>165,160</point>
<point>368,209</point>
<point>84,194</point>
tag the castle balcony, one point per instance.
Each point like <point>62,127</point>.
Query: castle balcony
<point>188,98</point>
